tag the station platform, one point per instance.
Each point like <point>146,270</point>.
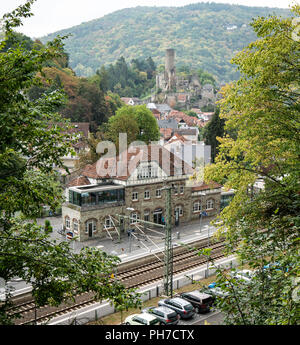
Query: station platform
<point>132,249</point>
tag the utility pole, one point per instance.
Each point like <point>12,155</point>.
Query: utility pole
<point>168,257</point>
<point>168,266</point>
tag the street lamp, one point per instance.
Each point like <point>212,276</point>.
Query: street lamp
<point>202,213</point>
<point>168,266</point>
<point>129,231</point>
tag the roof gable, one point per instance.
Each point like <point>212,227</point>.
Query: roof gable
<point>123,166</point>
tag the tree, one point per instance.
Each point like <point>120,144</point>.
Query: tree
<point>33,138</point>
<point>48,228</point>
<point>103,82</point>
<point>262,108</point>
<point>137,122</point>
<point>211,132</point>
<point>90,155</point>
<point>123,122</point>
<point>148,127</point>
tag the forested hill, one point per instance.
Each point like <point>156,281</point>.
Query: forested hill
<point>205,35</point>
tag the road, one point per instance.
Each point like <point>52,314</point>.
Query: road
<point>214,317</point>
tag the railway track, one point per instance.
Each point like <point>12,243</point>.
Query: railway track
<point>139,276</point>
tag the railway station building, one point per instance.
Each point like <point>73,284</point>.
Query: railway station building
<point>131,184</point>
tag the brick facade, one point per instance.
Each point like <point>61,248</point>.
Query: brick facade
<point>184,198</point>
<point>93,208</point>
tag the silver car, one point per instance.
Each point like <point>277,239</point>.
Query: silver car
<point>180,305</point>
<point>166,315</point>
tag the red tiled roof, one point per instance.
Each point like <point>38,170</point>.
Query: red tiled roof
<point>79,181</point>
<point>176,137</point>
<point>205,186</point>
<point>179,115</point>
<point>181,98</point>
<point>125,99</point>
<point>83,127</point>
<point>124,165</point>
<point>75,127</point>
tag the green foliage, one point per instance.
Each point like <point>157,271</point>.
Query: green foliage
<point>33,138</point>
<point>211,132</point>
<point>206,78</point>
<point>48,228</point>
<point>137,122</point>
<point>191,113</point>
<point>198,32</point>
<point>58,273</point>
<point>86,99</point>
<point>134,80</point>
<point>262,109</point>
<point>90,156</point>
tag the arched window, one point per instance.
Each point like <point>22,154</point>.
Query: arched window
<point>197,206</point>
<point>90,225</point>
<point>147,215</point>
<point>108,223</point>
<point>75,226</point>
<point>209,204</point>
<point>135,217</point>
<point>67,222</point>
<point>179,209</point>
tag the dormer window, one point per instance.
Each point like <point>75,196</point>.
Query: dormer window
<point>147,172</point>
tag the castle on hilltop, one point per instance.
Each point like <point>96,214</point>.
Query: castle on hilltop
<point>182,92</point>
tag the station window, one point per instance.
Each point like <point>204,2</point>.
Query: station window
<point>179,210</point>
<point>90,224</point>
<point>75,226</point>
<point>135,217</point>
<point>209,204</point>
<point>108,222</point>
<point>67,222</point>
<point>197,206</point>
<point>147,216</point>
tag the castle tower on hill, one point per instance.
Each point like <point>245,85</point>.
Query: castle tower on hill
<point>170,69</point>
<point>182,91</point>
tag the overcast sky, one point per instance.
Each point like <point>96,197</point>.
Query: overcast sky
<point>53,15</point>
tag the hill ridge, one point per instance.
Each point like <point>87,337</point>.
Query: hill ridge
<point>204,35</point>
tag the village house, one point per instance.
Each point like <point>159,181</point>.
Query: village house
<point>165,134</point>
<point>192,152</point>
<point>131,100</point>
<point>190,134</point>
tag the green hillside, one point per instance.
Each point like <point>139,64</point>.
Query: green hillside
<point>204,35</point>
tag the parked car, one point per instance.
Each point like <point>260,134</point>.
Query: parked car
<point>277,266</point>
<point>201,301</point>
<point>214,291</point>
<point>166,315</point>
<point>243,275</point>
<point>180,305</point>
<point>142,319</point>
